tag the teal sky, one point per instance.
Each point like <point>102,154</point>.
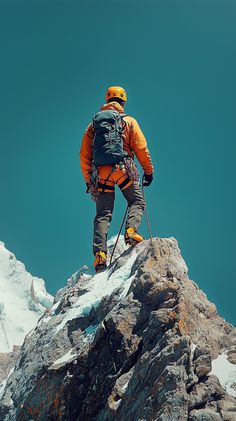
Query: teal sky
<point>177,61</point>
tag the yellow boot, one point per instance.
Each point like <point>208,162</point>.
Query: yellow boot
<point>100,261</point>
<point>132,237</point>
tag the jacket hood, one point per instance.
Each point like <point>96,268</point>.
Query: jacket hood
<point>113,106</point>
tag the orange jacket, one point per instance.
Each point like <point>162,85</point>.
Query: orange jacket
<point>134,143</point>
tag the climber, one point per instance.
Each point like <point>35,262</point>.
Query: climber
<point>107,158</point>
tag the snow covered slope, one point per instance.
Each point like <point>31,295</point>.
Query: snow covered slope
<point>23,299</point>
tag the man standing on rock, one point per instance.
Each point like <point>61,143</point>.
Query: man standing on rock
<point>107,158</point>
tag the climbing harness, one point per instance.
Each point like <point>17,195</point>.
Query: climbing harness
<point>127,165</point>
<point>104,185</point>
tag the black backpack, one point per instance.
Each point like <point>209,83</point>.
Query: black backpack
<point>107,141</point>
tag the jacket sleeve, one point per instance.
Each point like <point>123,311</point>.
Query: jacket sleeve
<point>86,153</point>
<point>138,144</point>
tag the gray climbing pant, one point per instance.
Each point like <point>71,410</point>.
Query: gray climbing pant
<point>104,208</point>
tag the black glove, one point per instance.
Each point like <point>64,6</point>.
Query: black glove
<point>147,179</point>
<point>88,188</point>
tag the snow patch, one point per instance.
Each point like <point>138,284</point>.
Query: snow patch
<point>117,404</point>
<point>54,307</point>
<point>3,384</point>
<point>65,358</point>
<point>226,373</point>
<point>102,285</point>
<point>193,347</point>
<point>127,286</point>
<point>125,386</point>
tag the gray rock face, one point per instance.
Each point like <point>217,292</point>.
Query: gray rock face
<point>134,343</point>
<point>7,362</point>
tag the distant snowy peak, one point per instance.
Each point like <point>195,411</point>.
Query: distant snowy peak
<point>23,299</point>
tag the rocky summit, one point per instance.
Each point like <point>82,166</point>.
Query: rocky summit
<point>138,342</point>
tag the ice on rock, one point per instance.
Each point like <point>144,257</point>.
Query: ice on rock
<point>65,358</point>
<point>101,285</point>
<point>226,373</point>
<point>120,247</point>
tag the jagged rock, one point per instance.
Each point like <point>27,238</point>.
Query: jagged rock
<point>7,362</point>
<point>231,346</point>
<point>204,415</point>
<point>207,390</point>
<point>227,408</point>
<point>134,343</point>
<point>203,366</point>
<point>202,360</point>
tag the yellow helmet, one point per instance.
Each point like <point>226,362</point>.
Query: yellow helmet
<point>116,92</point>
